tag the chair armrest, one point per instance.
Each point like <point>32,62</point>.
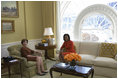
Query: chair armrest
<point>23,62</point>
<point>22,59</point>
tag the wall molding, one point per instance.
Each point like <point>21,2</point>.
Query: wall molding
<point>31,44</point>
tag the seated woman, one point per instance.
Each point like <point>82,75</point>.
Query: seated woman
<point>66,48</point>
<point>27,53</point>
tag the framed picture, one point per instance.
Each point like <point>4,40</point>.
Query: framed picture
<point>9,9</point>
<point>7,26</point>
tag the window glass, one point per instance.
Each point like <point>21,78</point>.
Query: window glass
<point>95,27</point>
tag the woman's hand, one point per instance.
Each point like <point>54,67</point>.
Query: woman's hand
<point>63,50</point>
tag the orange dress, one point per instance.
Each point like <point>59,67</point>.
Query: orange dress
<point>69,46</point>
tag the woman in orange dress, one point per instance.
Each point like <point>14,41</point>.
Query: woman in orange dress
<point>66,48</point>
<point>27,53</point>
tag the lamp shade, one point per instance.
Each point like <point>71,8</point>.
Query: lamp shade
<point>48,31</point>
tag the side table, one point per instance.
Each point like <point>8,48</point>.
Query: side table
<point>46,48</point>
<point>11,63</point>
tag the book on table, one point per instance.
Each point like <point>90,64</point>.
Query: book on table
<point>62,65</point>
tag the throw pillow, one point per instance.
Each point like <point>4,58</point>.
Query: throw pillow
<point>108,50</point>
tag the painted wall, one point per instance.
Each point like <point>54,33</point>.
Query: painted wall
<point>48,14</point>
<point>33,20</point>
<point>19,27</point>
<point>34,16</point>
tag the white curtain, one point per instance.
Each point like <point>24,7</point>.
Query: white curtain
<point>61,6</point>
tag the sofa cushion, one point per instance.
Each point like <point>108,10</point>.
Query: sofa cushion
<point>89,48</point>
<point>87,59</point>
<point>77,46</point>
<point>105,62</point>
<point>108,50</point>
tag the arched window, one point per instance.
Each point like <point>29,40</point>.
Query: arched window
<point>73,17</point>
<point>96,27</point>
<point>96,23</point>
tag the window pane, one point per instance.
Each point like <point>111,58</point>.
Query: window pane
<point>97,21</point>
<point>113,5</point>
<point>97,27</point>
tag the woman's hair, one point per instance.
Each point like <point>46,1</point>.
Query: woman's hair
<point>66,35</point>
<point>23,40</point>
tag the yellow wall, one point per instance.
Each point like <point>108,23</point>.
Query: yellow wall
<point>33,20</point>
<point>34,16</point>
<point>48,17</point>
<point>19,27</point>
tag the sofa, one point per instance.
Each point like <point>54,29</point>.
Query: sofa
<point>29,68</point>
<point>103,65</point>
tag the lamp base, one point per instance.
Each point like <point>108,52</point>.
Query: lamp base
<point>51,41</point>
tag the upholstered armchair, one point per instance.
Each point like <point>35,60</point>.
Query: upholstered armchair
<point>29,68</point>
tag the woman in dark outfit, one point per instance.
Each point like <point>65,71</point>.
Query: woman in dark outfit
<point>27,53</point>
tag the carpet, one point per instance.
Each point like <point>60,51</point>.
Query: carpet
<point>57,74</point>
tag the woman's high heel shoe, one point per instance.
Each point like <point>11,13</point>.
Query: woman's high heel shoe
<point>44,71</point>
<point>41,74</point>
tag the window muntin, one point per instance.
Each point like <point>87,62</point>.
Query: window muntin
<point>113,5</point>
<point>97,27</point>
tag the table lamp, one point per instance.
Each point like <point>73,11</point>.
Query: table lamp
<point>48,32</point>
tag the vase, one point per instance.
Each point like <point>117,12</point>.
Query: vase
<point>72,65</point>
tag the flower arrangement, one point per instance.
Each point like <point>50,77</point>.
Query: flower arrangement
<point>43,41</point>
<point>72,56</point>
